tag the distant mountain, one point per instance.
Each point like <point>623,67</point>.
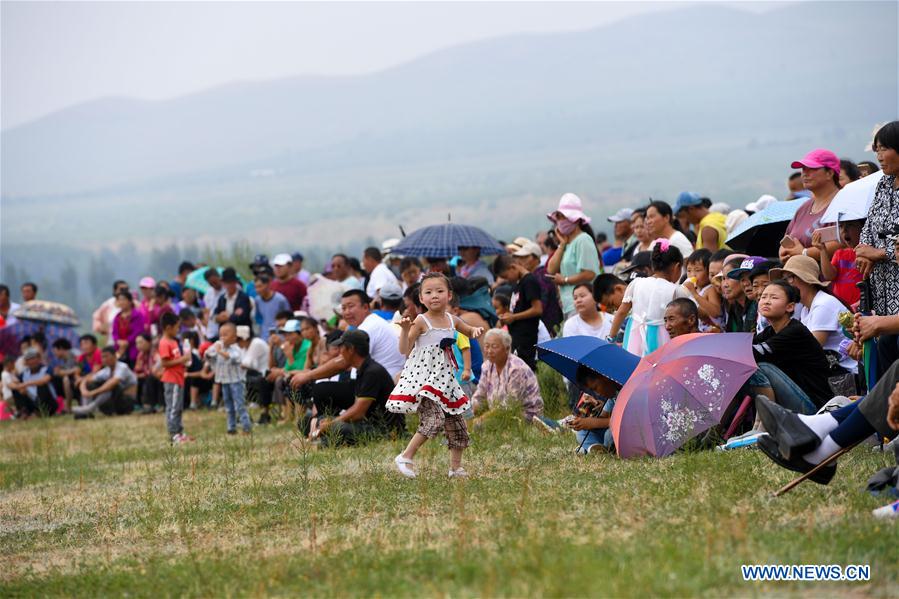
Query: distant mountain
<point>674,79</point>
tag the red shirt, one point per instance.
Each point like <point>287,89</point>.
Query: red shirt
<point>293,289</point>
<point>90,363</point>
<point>843,285</point>
<point>170,350</point>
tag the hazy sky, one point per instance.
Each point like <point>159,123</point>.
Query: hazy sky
<point>55,54</point>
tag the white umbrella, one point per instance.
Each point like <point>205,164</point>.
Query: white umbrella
<point>324,294</point>
<point>853,201</point>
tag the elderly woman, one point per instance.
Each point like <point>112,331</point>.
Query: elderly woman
<point>876,253</point>
<point>577,259</point>
<point>505,377</point>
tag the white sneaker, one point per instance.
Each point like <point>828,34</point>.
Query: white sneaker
<point>404,465</point>
<point>890,510</point>
<point>458,473</point>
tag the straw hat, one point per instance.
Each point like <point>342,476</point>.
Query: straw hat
<point>804,268</point>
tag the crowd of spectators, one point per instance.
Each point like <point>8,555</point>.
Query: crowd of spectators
<point>280,342</point>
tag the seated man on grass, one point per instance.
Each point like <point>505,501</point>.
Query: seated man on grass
<point>35,394</point>
<point>111,390</point>
<point>367,417</point>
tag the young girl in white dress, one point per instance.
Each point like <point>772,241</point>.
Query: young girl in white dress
<point>428,383</point>
<point>646,299</point>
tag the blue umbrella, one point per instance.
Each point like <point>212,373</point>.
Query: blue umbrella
<point>760,234</point>
<point>565,354</point>
<point>444,241</point>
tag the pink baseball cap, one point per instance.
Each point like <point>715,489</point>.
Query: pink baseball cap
<point>571,208</point>
<point>148,283</point>
<point>819,158</point>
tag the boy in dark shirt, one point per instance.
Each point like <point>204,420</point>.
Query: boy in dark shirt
<point>793,370</point>
<point>525,308</point>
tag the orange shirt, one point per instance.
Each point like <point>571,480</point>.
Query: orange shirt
<point>170,350</point>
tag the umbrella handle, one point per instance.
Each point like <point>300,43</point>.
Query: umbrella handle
<point>741,411</point>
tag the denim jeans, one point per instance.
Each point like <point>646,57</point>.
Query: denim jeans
<point>597,436</point>
<point>786,392</point>
<point>235,406</point>
<point>174,405</point>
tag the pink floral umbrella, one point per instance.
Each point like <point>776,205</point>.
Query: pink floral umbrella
<point>679,391</point>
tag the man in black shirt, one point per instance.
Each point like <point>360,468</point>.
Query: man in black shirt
<point>368,417</point>
<point>525,308</point>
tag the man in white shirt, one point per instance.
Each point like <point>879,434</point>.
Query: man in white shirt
<point>112,389</point>
<point>378,273</point>
<point>383,340</point>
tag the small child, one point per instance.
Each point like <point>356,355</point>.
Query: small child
<point>649,297</point>
<point>7,382</point>
<point>173,361</point>
<point>840,269</point>
<point>464,351</point>
<point>143,369</point>
<point>501,303</point>
<point>608,292</point>
<point>428,384</point>
<point>190,323</point>
<point>195,383</point>
<point>700,288</point>
<point>225,356</point>
<point>592,416</point>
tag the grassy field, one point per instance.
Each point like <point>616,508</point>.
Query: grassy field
<point>107,507</point>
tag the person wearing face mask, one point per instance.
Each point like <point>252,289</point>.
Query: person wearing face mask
<point>577,259</point>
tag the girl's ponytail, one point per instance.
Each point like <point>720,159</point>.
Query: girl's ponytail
<point>664,255</point>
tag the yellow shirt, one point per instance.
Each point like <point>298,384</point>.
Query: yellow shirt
<point>462,341</point>
<point>716,221</point>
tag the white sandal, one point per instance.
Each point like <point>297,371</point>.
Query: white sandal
<point>458,473</point>
<point>404,465</point>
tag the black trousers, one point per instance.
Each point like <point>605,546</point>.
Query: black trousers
<point>151,392</point>
<point>330,397</point>
<point>44,405</point>
<point>527,352</point>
